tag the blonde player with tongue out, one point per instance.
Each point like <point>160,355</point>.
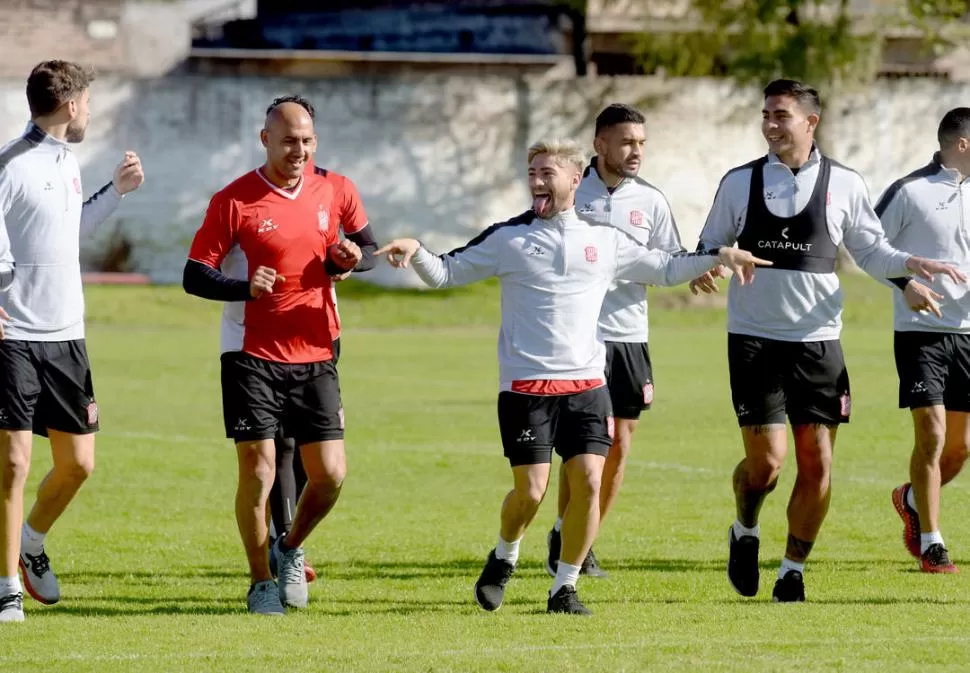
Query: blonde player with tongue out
<point>555,268</point>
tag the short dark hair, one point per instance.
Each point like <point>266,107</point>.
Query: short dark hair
<point>618,113</point>
<point>806,96</point>
<point>299,100</point>
<point>53,83</point>
<point>954,125</point>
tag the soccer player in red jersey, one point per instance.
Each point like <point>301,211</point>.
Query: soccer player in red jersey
<point>284,374</point>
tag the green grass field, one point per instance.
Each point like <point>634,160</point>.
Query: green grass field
<point>153,574</point>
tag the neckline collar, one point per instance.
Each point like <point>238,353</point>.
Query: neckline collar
<point>814,157</point>
<point>39,136</point>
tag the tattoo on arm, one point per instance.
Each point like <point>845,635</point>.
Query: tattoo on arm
<point>798,550</point>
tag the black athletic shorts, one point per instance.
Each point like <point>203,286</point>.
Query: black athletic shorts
<point>805,380</point>
<point>46,385</point>
<point>933,368</point>
<point>533,425</point>
<point>259,397</point>
<point>629,377</point>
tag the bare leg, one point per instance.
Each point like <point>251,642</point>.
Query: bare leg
<point>615,466</point>
<point>582,517</point>
<point>522,502</point>
<point>765,447</point>
<point>257,469</point>
<point>326,468</point>
<point>73,463</point>
<point>810,497</point>
<point>15,447</point>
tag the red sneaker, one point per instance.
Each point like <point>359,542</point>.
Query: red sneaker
<point>936,560</point>
<point>910,519</point>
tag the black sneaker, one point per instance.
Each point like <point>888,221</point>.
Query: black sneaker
<point>591,567</point>
<point>567,602</point>
<point>743,563</point>
<point>789,589</point>
<point>554,542</point>
<point>490,587</point>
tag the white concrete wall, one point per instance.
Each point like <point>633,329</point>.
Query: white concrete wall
<point>443,157</point>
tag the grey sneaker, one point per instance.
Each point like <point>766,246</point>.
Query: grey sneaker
<point>39,580</point>
<point>292,575</point>
<point>264,599</point>
<point>12,608</point>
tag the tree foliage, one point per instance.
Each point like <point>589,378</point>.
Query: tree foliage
<point>819,41</point>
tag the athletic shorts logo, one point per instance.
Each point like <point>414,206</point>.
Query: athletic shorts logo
<point>591,254</point>
<point>610,426</point>
<point>92,410</point>
<point>648,393</point>
<point>845,403</point>
<point>636,218</point>
<point>526,436</point>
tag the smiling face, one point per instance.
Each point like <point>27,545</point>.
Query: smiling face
<point>789,128</point>
<point>553,182</point>
<point>290,142</point>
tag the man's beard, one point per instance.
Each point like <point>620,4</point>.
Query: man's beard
<point>75,134</point>
<point>619,169</point>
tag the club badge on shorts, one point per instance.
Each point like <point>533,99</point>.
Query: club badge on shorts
<point>648,393</point>
<point>92,410</point>
<point>845,403</point>
<point>610,426</point>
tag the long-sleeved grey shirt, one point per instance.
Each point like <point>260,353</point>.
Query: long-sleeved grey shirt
<point>642,211</point>
<point>928,213</point>
<point>41,220</point>
<point>790,305</point>
<point>554,274</point>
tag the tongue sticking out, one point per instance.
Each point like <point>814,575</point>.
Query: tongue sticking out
<point>541,204</point>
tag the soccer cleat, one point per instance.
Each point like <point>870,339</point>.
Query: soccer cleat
<point>910,519</point>
<point>936,560</point>
<point>308,570</point>
<point>39,580</point>
<point>742,567</point>
<point>591,567</point>
<point>789,589</point>
<point>292,578</point>
<point>490,587</point>
<point>566,602</point>
<point>12,608</point>
<point>554,542</point>
<point>264,599</point>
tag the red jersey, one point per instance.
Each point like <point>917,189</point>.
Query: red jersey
<point>287,230</point>
<point>346,213</point>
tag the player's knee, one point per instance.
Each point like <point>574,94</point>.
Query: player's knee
<point>80,469</point>
<point>14,467</point>
<point>930,437</point>
<point>815,472</point>
<point>763,474</point>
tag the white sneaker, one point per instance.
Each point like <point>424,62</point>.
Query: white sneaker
<point>12,608</point>
<point>264,599</point>
<point>39,580</point>
<point>292,576</point>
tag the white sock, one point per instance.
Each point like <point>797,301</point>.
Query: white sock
<point>741,530</point>
<point>507,551</point>
<point>566,575</point>
<point>558,525</point>
<point>910,499</point>
<point>31,541</point>
<point>926,539</point>
<point>10,585</point>
<point>787,564</point>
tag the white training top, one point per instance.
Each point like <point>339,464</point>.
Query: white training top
<point>789,305</point>
<point>642,211</point>
<point>41,220</point>
<point>554,274</point>
<point>928,213</point>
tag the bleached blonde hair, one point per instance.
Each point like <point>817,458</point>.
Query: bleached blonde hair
<point>566,150</point>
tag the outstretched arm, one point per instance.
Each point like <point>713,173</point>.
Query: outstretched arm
<point>470,263</point>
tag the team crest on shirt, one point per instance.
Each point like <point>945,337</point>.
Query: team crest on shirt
<point>636,218</point>
<point>648,393</point>
<point>591,254</point>
<point>323,218</point>
<point>77,185</point>
<point>92,410</point>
